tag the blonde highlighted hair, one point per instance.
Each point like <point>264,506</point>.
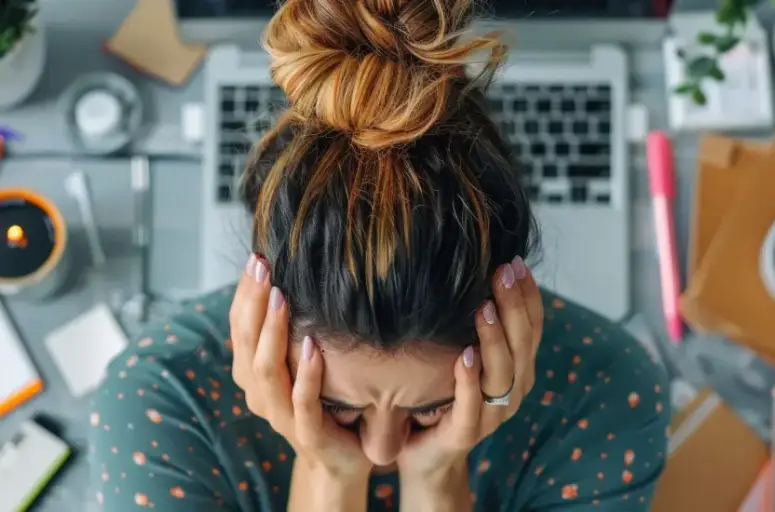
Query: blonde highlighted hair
<point>384,152</point>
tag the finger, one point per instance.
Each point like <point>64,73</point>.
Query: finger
<point>246,316</point>
<point>497,364</point>
<point>248,310</point>
<point>307,411</point>
<point>532,297</point>
<point>465,415</point>
<point>269,364</point>
<point>513,315</point>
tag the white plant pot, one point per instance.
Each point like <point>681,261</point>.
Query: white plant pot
<point>22,67</point>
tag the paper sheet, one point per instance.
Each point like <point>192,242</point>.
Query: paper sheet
<point>83,348</point>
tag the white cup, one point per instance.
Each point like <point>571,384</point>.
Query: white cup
<point>767,261</point>
<point>98,113</point>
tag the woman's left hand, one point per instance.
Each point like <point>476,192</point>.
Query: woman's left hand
<point>509,333</point>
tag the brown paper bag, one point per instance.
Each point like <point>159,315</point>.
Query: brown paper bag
<point>734,208</point>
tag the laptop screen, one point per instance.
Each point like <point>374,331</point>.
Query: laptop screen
<point>500,8</point>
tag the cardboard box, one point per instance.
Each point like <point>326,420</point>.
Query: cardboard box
<point>733,211</point>
<point>714,459</point>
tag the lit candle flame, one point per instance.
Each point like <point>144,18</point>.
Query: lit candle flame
<point>16,237</point>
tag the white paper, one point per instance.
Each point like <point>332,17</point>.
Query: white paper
<point>83,348</point>
<point>16,369</point>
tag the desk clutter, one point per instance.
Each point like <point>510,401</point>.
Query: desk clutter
<point>28,462</point>
<point>719,459</point>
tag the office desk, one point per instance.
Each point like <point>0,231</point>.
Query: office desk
<point>75,30</point>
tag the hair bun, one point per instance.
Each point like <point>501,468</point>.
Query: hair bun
<point>380,70</point>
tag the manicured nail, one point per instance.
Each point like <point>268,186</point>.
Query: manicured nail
<point>261,271</point>
<point>468,357</point>
<point>520,269</point>
<point>507,276</point>
<point>276,298</point>
<point>306,348</point>
<point>250,268</point>
<point>489,313</point>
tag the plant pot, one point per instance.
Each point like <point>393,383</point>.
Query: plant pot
<point>22,67</point>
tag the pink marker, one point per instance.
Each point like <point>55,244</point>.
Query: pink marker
<point>662,181</point>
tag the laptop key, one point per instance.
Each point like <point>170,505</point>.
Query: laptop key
<point>594,149</point>
<point>519,105</point>
<point>579,194</point>
<point>580,127</point>
<point>224,193</point>
<point>550,171</point>
<point>576,170</point>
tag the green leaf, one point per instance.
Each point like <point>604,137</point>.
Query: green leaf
<point>726,43</point>
<point>716,74</point>
<point>731,13</point>
<point>684,89</point>
<point>699,97</point>
<point>725,15</point>
<point>700,67</point>
<point>707,39</point>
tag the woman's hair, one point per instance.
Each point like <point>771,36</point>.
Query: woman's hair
<point>385,197</point>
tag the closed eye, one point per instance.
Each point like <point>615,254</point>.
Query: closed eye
<point>337,409</point>
<point>436,411</point>
<point>424,413</point>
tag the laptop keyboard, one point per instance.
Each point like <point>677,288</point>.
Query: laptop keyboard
<point>246,113</point>
<point>560,133</point>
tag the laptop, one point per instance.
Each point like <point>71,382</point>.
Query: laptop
<point>562,106</point>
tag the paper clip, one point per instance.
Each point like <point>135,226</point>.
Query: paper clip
<point>9,134</point>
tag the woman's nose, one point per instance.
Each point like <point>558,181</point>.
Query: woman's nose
<point>383,438</point>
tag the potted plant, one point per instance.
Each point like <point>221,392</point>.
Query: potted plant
<point>22,50</point>
<point>732,16</point>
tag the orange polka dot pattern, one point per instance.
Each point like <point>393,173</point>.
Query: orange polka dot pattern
<point>170,431</point>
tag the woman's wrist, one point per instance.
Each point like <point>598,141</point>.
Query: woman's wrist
<point>446,489</point>
<point>314,487</point>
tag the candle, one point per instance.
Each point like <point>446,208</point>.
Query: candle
<point>33,239</point>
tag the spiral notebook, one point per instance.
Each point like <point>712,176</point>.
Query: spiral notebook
<point>19,380</point>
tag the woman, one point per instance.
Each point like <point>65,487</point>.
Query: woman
<point>383,350</point>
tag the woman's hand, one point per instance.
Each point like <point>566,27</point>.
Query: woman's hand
<point>259,329</point>
<point>509,333</point>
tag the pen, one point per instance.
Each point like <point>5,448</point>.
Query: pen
<point>662,183</point>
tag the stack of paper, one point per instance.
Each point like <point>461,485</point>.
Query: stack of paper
<point>19,381</point>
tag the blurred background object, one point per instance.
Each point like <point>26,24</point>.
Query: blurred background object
<point>22,50</point>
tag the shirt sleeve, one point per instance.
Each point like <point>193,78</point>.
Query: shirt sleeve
<point>150,444</point>
<point>611,448</point>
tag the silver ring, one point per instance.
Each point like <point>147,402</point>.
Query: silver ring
<point>501,401</point>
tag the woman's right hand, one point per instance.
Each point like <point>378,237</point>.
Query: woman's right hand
<point>259,329</point>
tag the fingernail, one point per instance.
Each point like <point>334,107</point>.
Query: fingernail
<point>250,268</point>
<point>507,276</point>
<point>276,298</point>
<point>306,348</point>
<point>468,357</point>
<point>261,271</point>
<point>489,313</point>
<point>520,269</point>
